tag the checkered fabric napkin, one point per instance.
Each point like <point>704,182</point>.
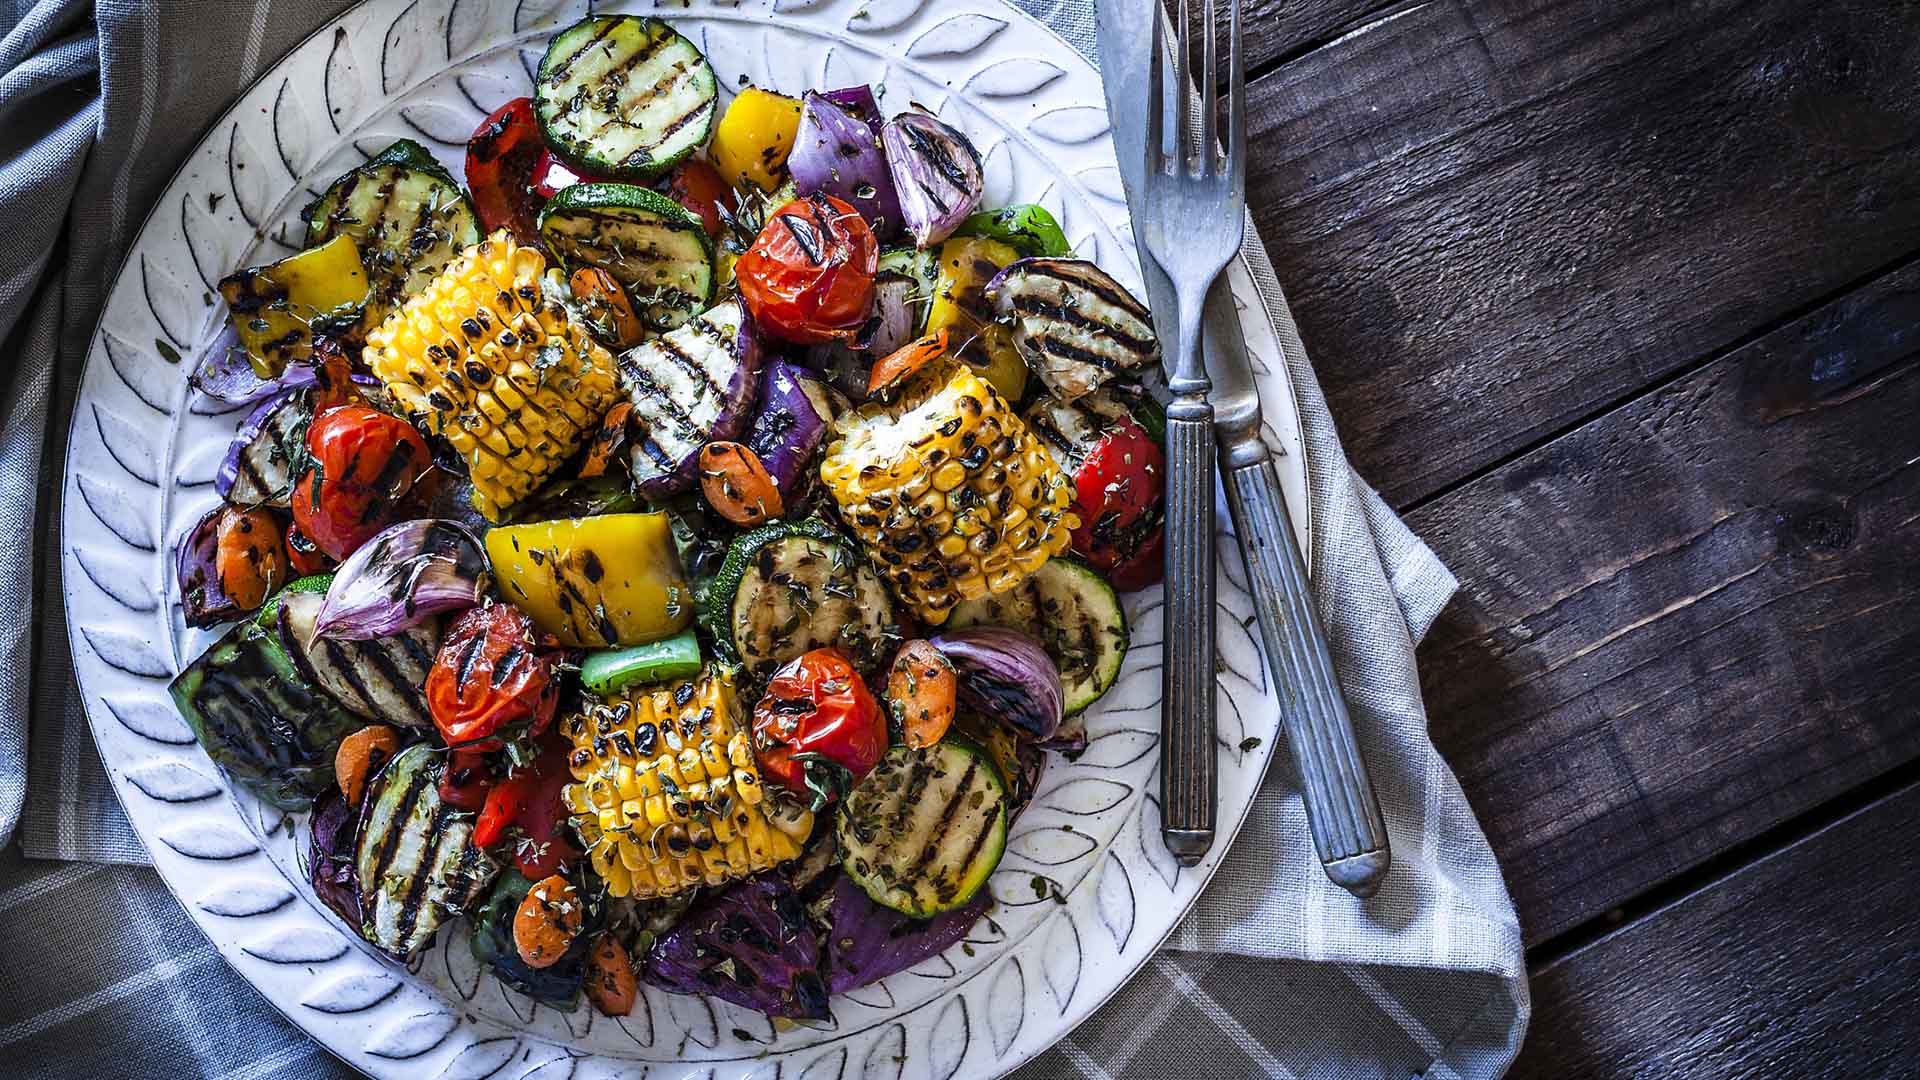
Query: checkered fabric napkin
<point>1275,973</point>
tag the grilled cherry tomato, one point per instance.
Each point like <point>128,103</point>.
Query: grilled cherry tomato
<point>467,781</point>
<point>528,801</point>
<point>808,277</point>
<point>306,556</point>
<point>488,678</point>
<point>364,463</point>
<point>249,557</point>
<point>818,729</point>
<point>697,186</point>
<point>1120,497</point>
<point>552,176</point>
<point>502,155</point>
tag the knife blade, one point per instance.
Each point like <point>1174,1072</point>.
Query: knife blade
<point>1343,812</point>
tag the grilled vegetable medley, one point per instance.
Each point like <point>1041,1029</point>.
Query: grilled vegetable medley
<point>669,557</point>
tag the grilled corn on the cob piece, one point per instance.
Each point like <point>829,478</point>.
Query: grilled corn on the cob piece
<point>513,382</point>
<point>669,796</point>
<point>951,494</point>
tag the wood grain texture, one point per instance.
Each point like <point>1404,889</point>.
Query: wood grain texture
<point>1693,617</point>
<point>1495,218</point>
<point>1803,964</point>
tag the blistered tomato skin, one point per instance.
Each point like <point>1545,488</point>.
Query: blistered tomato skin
<point>490,680</point>
<point>697,186</point>
<point>1119,496</point>
<point>808,278</point>
<point>364,463</point>
<point>819,728</point>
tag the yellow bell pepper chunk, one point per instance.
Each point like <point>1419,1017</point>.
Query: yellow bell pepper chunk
<point>960,307</point>
<point>274,305</point>
<point>751,142</point>
<point>613,579</point>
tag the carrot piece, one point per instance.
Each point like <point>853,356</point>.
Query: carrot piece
<point>360,756</point>
<point>547,921</point>
<point>606,441</point>
<point>608,311</point>
<point>738,485</point>
<point>893,369</point>
<point>250,556</point>
<point>610,982</point>
<point>921,692</point>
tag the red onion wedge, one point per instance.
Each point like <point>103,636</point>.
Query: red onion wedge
<point>402,577</point>
<point>1006,676</point>
<point>837,152</point>
<point>936,174</point>
<point>793,419</point>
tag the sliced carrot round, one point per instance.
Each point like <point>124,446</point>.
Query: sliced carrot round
<point>360,755</point>
<point>547,921</point>
<point>897,366</point>
<point>250,556</point>
<point>608,311</point>
<point>611,985</point>
<point>606,441</point>
<point>738,485</point>
<point>921,691</point>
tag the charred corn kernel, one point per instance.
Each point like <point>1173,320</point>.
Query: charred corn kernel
<point>951,494</point>
<point>512,381</point>
<point>667,794</point>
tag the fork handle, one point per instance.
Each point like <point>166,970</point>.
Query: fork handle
<point>1343,813</point>
<point>1189,794</point>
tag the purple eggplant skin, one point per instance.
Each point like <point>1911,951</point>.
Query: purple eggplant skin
<point>258,468</point>
<point>336,824</point>
<point>1006,676</point>
<point>937,175</point>
<point>761,926</point>
<point>868,942</point>
<point>838,153</point>
<point>202,598</point>
<point>794,415</point>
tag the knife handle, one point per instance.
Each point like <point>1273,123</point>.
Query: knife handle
<point>1188,792</point>
<point>1343,813</point>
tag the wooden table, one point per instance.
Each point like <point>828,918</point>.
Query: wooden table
<point>1618,303</point>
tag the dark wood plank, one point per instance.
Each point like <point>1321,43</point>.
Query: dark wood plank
<point>1495,218</point>
<point>1273,29</point>
<point>1803,964</point>
<point>1692,618</point>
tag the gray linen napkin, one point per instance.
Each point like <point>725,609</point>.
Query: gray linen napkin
<point>1426,978</point>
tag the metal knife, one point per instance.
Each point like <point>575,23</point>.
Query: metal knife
<point>1343,813</point>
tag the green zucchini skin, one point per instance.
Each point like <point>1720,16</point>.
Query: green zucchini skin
<point>925,829</point>
<point>1073,613</point>
<point>407,215</point>
<point>788,587</point>
<point>655,248</point>
<point>624,96</point>
<point>417,862</point>
<point>255,716</point>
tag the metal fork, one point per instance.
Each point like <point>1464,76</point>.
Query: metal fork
<point>1195,202</point>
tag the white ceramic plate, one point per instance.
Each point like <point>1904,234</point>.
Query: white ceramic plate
<point>1086,891</point>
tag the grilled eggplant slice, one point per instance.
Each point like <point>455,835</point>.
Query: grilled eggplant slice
<point>1075,326</point>
<point>624,96</point>
<point>416,857</point>
<point>1075,616</point>
<point>792,586</point>
<point>408,216</point>
<point>655,248</point>
<point>260,719</point>
<point>381,679</point>
<point>924,830</point>
<point>689,387</point>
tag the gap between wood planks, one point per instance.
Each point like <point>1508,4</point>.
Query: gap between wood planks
<point>1676,375</point>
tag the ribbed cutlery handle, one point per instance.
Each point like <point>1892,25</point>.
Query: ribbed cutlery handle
<point>1342,810</point>
<point>1188,795</point>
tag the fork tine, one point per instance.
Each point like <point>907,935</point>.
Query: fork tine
<point>1183,90</point>
<point>1209,79</point>
<point>1236,104</point>
<point>1157,96</point>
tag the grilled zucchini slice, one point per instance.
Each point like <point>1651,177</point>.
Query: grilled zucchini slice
<point>407,215</point>
<point>792,586</point>
<point>655,248</point>
<point>924,830</point>
<point>624,96</point>
<point>417,862</point>
<point>1073,613</point>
